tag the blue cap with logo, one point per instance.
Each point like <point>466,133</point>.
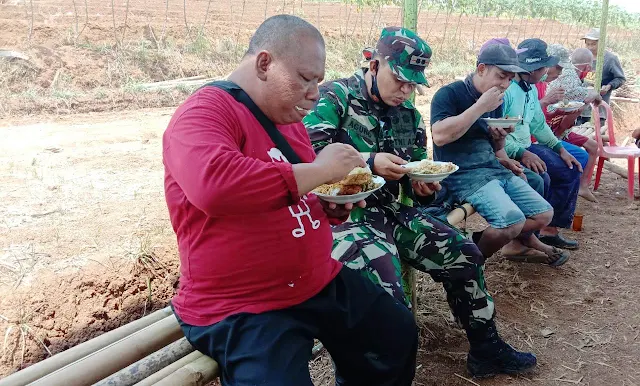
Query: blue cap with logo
<point>534,55</point>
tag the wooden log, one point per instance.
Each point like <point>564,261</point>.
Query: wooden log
<point>73,354</point>
<point>168,370</point>
<point>197,373</point>
<point>148,365</point>
<point>619,170</point>
<point>621,99</point>
<point>187,83</point>
<point>115,356</point>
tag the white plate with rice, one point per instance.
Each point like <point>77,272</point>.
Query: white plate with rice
<point>331,194</point>
<point>567,107</point>
<point>430,171</point>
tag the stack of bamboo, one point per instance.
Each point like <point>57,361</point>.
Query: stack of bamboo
<point>148,351</point>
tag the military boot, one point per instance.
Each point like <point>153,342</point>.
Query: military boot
<point>490,355</point>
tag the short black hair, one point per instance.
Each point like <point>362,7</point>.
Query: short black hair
<point>281,34</point>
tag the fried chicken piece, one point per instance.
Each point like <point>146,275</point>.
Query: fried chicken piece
<point>346,190</point>
<point>358,176</point>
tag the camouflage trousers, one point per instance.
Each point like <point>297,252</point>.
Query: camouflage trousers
<point>374,240</point>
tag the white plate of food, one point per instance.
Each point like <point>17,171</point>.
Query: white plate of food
<point>567,106</point>
<point>430,171</point>
<point>359,184</point>
<point>503,123</point>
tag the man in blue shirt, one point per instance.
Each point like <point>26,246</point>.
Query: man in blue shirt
<point>549,155</point>
<point>511,207</point>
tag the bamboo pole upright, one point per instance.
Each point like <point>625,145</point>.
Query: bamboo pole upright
<point>410,22</point>
<point>602,43</point>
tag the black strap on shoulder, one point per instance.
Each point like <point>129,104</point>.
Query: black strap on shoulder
<point>276,136</point>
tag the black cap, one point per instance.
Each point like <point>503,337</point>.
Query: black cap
<point>534,55</point>
<point>502,56</point>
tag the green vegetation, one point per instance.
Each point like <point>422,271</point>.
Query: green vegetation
<point>581,12</point>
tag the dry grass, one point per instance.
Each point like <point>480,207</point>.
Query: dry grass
<point>17,262</point>
<point>17,332</point>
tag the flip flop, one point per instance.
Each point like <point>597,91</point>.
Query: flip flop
<point>528,255</point>
<point>557,258</point>
<point>560,257</point>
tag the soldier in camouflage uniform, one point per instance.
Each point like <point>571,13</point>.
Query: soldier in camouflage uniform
<point>371,112</point>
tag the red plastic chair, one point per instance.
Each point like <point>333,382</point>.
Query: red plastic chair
<point>613,151</point>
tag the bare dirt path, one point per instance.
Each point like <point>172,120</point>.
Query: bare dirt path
<point>87,246</point>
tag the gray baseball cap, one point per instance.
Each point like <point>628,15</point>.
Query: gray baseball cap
<point>502,56</point>
<point>593,34</point>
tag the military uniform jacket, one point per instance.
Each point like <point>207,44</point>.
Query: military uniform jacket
<point>346,114</point>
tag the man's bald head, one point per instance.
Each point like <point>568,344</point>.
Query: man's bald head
<point>581,56</point>
<point>282,68</point>
<point>282,35</point>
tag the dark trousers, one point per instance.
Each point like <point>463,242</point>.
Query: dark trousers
<point>372,338</point>
<point>565,184</point>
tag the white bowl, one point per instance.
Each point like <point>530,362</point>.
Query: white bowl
<point>352,198</point>
<point>429,177</point>
<point>502,123</point>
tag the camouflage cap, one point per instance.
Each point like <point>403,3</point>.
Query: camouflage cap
<point>408,55</point>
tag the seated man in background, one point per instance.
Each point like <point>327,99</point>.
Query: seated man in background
<point>636,136</point>
<point>371,112</point>
<point>549,154</point>
<point>563,83</point>
<point>258,283</point>
<point>511,207</point>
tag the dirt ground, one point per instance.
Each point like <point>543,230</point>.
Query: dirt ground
<point>86,241</point>
<point>87,246</point>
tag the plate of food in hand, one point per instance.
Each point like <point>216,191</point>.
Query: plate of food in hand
<point>503,123</point>
<point>567,106</point>
<point>359,184</point>
<point>430,171</point>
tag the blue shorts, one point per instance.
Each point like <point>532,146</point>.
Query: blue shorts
<point>577,152</point>
<point>503,203</point>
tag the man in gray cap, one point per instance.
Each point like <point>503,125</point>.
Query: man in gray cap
<point>612,72</point>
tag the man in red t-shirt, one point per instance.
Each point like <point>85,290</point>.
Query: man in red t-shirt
<point>258,283</point>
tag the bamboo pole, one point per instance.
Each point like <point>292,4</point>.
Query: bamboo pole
<point>73,354</point>
<point>115,356</point>
<point>602,44</point>
<point>168,370</point>
<point>148,365</point>
<point>197,373</point>
<point>410,22</point>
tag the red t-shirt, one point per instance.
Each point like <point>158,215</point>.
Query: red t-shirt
<point>247,241</point>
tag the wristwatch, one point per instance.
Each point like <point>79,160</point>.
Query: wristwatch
<point>372,157</point>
